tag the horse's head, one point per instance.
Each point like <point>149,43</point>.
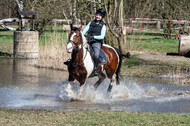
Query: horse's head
<point>75,39</point>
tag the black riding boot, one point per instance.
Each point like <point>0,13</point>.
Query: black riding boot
<point>96,72</point>
<point>67,62</point>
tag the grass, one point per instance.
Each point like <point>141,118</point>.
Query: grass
<point>6,41</point>
<point>151,42</point>
<point>59,117</point>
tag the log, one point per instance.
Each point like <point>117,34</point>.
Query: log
<point>8,20</point>
<point>184,46</point>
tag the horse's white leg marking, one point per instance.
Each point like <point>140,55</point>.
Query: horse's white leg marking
<point>112,79</point>
<point>102,67</point>
<point>79,95</point>
<point>69,91</point>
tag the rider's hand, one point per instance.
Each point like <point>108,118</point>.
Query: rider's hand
<point>90,38</point>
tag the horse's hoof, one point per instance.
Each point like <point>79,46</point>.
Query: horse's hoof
<point>74,99</point>
<point>109,88</point>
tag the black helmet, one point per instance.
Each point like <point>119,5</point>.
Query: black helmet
<point>102,12</point>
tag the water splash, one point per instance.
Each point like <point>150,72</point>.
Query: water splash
<point>127,89</point>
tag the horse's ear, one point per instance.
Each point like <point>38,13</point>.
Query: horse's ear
<point>71,26</point>
<point>80,28</point>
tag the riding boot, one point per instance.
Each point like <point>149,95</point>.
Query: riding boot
<point>96,72</point>
<point>67,62</point>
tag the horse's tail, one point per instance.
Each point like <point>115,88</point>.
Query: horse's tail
<point>127,55</point>
<point>119,65</point>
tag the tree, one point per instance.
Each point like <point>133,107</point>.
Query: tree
<point>114,9</point>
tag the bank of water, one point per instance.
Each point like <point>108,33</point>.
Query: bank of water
<point>26,87</point>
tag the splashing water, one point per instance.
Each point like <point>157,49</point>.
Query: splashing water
<point>46,89</point>
<point>126,90</point>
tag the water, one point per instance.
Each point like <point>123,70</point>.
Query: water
<point>26,87</point>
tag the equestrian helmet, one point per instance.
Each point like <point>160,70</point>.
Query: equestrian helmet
<point>102,12</point>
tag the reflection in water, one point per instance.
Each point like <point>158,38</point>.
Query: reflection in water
<point>23,72</point>
<point>24,86</point>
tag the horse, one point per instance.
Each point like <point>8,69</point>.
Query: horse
<point>81,64</point>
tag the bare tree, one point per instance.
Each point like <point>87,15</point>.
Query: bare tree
<point>114,13</point>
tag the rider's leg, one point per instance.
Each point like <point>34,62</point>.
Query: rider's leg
<point>96,48</point>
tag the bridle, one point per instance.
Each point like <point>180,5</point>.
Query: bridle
<point>77,45</point>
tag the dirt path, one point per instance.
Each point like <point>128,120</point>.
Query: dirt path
<point>169,58</point>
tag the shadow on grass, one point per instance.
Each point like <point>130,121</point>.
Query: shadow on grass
<point>172,54</point>
<point>4,30</point>
<point>177,54</point>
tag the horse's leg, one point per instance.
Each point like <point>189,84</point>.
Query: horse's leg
<point>79,94</point>
<point>69,86</point>
<point>82,82</point>
<point>112,79</point>
<point>69,91</point>
<point>101,77</point>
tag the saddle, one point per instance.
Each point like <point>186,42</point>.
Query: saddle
<point>102,56</point>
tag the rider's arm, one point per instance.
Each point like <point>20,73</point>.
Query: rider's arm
<point>86,28</point>
<point>103,33</point>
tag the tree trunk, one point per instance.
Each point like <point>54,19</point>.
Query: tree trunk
<point>122,42</point>
<point>122,45</point>
<point>74,15</point>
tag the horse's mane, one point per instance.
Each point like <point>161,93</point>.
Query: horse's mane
<point>75,29</point>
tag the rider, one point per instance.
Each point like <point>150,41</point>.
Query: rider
<point>96,32</point>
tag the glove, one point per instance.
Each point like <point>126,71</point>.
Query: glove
<point>90,38</point>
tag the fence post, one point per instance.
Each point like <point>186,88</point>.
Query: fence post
<point>158,25</point>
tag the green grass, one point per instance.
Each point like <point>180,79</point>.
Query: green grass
<point>151,42</point>
<point>132,61</point>
<point>60,117</point>
<point>6,41</point>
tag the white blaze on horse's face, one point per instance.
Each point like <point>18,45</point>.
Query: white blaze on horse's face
<point>70,44</point>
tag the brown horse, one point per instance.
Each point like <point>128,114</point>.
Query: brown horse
<point>81,65</point>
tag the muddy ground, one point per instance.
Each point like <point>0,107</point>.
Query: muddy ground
<point>165,57</point>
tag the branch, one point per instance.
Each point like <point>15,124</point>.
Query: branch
<point>3,21</point>
<point>20,5</point>
<point>108,23</point>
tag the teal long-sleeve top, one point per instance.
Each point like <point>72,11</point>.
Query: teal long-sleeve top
<point>98,37</point>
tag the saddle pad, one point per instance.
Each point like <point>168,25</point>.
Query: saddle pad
<point>102,58</point>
